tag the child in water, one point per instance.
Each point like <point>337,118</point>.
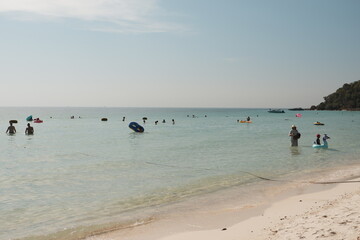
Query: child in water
<point>317,141</point>
<point>325,137</point>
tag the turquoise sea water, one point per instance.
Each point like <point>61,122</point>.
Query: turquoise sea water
<point>81,174</point>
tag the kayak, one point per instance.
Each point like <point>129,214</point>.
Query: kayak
<point>319,123</point>
<point>242,121</point>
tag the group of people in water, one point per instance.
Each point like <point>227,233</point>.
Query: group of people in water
<point>156,122</point>
<point>12,130</point>
<point>295,135</point>
<point>30,130</point>
<point>163,121</point>
<point>247,120</point>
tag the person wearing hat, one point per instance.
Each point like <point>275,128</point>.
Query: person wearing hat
<point>295,135</point>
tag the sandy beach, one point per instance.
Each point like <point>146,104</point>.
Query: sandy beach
<point>316,211</point>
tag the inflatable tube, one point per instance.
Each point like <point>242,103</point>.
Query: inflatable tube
<point>325,145</point>
<point>136,127</point>
<point>242,121</point>
<point>320,146</point>
<point>13,121</point>
<point>38,121</point>
<point>29,118</point>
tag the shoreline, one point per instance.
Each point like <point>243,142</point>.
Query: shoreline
<point>285,214</point>
<point>331,213</point>
<point>205,173</point>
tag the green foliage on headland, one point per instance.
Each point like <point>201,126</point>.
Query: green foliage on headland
<point>345,98</point>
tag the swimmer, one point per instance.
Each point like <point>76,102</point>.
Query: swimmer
<point>29,130</point>
<point>11,129</point>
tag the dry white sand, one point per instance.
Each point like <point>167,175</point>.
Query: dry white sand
<point>330,214</point>
<point>315,213</point>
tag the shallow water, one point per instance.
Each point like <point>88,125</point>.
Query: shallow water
<point>74,173</point>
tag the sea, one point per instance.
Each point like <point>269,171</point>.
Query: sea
<point>78,175</point>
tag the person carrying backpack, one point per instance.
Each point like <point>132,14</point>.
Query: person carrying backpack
<point>294,136</point>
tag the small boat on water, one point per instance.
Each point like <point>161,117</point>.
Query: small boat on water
<point>243,121</point>
<point>319,123</point>
<point>296,109</point>
<point>38,120</point>
<point>276,111</point>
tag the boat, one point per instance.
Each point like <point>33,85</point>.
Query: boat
<point>38,120</point>
<point>243,121</point>
<point>136,127</point>
<point>319,123</point>
<point>276,111</point>
<point>296,109</point>
<point>29,118</point>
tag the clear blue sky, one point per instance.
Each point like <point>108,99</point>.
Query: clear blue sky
<point>177,53</point>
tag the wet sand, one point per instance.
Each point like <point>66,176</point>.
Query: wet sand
<point>314,211</point>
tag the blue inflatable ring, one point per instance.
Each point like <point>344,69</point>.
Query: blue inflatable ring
<point>136,127</point>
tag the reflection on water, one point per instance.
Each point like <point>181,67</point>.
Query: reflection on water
<point>295,151</point>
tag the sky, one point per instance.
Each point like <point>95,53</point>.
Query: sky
<point>177,53</point>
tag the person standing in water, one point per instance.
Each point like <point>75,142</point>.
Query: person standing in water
<point>11,129</point>
<point>295,135</point>
<point>29,130</point>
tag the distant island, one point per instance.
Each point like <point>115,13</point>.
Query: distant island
<point>345,98</point>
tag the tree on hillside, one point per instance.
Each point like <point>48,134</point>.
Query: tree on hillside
<point>346,97</point>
